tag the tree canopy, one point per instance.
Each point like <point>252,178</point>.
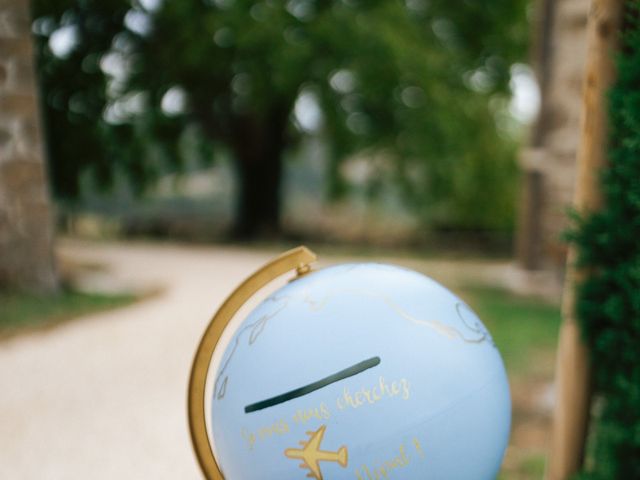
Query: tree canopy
<point>425,83</point>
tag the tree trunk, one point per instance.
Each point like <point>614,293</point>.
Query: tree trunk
<point>258,203</point>
<point>26,230</point>
<point>258,147</point>
<point>573,377</point>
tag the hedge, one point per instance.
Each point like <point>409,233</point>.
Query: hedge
<point>608,302</point>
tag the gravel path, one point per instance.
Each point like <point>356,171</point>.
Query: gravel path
<point>104,397</point>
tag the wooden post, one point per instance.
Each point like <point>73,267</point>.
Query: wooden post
<point>572,409</point>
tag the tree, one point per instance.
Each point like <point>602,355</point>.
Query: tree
<point>26,230</point>
<point>424,82</point>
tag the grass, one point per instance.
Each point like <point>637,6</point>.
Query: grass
<point>531,467</point>
<point>526,333</point>
<point>522,328</point>
<point>22,311</point>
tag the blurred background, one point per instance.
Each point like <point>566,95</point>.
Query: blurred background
<point>153,153</point>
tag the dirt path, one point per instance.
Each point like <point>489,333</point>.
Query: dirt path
<point>103,397</point>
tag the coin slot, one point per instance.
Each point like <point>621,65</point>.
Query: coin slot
<point>312,387</point>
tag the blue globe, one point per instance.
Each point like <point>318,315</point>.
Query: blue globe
<point>361,372</point>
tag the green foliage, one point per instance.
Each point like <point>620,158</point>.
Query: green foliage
<point>609,300</point>
<point>74,89</point>
<point>422,82</point>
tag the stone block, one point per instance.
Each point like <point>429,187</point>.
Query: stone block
<point>5,137</point>
<point>3,75</point>
<point>15,19</point>
<point>21,176</point>
<point>22,79</point>
<point>20,105</point>
<point>14,47</point>
<point>30,133</point>
<point>20,5</point>
<point>7,140</point>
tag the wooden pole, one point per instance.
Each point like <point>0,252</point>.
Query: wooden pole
<point>572,408</point>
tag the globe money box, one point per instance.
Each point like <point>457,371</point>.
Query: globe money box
<point>357,371</point>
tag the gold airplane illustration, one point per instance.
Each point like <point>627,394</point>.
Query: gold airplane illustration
<point>311,455</point>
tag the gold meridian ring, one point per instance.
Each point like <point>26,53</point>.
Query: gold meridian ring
<point>297,258</point>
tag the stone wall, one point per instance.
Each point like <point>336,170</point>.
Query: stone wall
<point>26,234</point>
